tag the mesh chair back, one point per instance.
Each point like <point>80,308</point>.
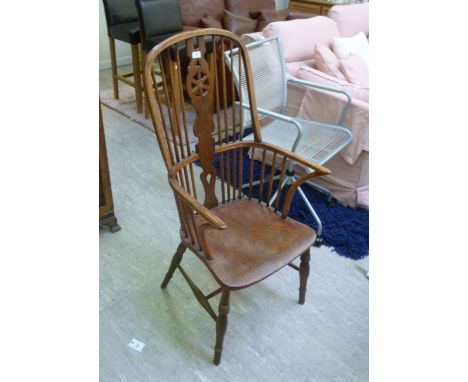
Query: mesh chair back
<point>269,75</point>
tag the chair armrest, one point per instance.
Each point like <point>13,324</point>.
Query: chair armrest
<point>213,221</point>
<point>318,169</point>
<point>292,190</point>
<point>328,88</point>
<point>284,118</point>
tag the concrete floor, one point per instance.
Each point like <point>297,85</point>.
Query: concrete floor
<point>269,338</point>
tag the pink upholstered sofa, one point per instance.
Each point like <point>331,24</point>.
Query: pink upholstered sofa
<point>349,181</point>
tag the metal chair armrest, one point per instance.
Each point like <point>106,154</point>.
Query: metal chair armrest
<point>328,88</point>
<point>284,118</point>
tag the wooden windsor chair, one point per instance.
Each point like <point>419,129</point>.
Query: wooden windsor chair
<point>233,230</point>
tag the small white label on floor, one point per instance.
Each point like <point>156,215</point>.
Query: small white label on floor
<point>137,345</point>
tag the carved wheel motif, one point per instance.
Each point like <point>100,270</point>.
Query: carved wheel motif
<point>199,82</point>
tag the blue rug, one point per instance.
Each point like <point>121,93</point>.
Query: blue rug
<point>345,229</point>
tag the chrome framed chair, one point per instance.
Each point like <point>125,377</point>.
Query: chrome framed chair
<point>315,141</point>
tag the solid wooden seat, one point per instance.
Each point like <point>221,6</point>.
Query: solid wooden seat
<point>256,243</point>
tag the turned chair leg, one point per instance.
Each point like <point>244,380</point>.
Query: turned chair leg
<point>137,77</point>
<point>221,325</point>
<point>304,270</point>
<point>174,264</point>
<point>142,63</point>
<point>113,58</point>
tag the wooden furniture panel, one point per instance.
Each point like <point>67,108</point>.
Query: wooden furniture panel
<point>296,6</point>
<point>106,202</point>
<point>316,7</point>
<point>325,9</point>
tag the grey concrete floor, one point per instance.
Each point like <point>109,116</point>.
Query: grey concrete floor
<point>269,338</point>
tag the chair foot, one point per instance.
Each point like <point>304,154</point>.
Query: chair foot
<point>176,259</point>
<point>331,201</point>
<point>318,241</point>
<point>304,270</point>
<point>217,357</point>
<point>221,325</point>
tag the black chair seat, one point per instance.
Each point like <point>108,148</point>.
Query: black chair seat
<point>150,42</point>
<point>127,32</point>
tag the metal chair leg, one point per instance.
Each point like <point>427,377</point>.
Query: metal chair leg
<point>314,215</point>
<point>285,181</point>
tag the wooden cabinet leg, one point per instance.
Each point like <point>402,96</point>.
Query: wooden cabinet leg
<point>304,270</point>
<point>110,221</point>
<point>176,259</point>
<point>221,325</point>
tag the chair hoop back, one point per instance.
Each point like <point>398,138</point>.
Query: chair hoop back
<point>192,69</point>
<point>188,101</point>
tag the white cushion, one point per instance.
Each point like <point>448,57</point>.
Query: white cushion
<point>358,44</point>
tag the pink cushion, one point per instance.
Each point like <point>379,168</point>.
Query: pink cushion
<point>327,62</point>
<point>355,70</point>
<point>299,36</point>
<point>351,19</point>
<point>313,75</point>
<point>293,67</point>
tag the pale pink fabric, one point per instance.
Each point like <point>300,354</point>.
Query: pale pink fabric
<point>314,75</point>
<point>349,184</point>
<point>251,37</point>
<point>325,106</point>
<point>349,180</point>
<point>351,19</point>
<point>293,67</point>
<point>327,62</point>
<point>355,70</point>
<point>299,37</point>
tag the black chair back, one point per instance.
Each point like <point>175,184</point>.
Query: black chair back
<point>159,19</point>
<point>120,12</point>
